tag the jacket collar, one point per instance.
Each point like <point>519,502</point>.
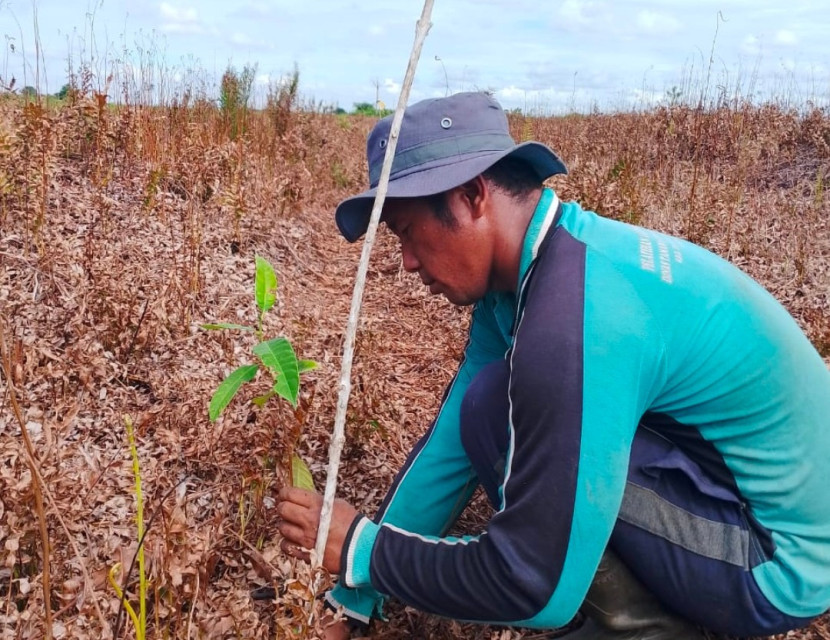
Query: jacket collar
<point>544,217</point>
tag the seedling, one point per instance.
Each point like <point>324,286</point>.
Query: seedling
<point>139,618</point>
<point>276,357</point>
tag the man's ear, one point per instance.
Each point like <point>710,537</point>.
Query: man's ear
<point>474,195</point>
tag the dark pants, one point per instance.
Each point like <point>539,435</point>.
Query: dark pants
<point>691,541</point>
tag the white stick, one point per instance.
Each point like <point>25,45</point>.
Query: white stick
<point>338,437</point>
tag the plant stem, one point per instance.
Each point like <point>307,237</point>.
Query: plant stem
<point>139,519</point>
<point>122,589</point>
<point>36,485</point>
<point>338,437</point>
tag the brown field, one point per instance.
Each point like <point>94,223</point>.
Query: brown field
<point>122,229</point>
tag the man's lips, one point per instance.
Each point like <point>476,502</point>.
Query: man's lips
<point>433,285</point>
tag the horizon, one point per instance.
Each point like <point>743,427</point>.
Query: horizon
<point>627,55</point>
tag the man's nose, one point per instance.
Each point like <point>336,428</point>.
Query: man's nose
<point>408,259</point>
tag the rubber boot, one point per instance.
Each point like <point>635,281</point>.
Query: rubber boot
<point>619,607</point>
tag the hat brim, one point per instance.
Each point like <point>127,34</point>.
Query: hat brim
<point>352,214</point>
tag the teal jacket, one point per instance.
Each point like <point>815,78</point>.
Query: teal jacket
<point>613,326</point>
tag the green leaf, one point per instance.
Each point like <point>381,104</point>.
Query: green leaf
<point>278,355</point>
<point>306,365</point>
<point>265,285</point>
<point>300,474</point>
<point>225,325</point>
<point>261,400</point>
<point>227,390</point>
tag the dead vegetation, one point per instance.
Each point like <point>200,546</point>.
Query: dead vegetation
<point>123,228</point>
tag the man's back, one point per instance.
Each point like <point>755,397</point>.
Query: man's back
<point>724,372</point>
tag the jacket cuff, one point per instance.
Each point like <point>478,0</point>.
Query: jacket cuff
<point>355,607</point>
<point>357,553</point>
<point>358,605</point>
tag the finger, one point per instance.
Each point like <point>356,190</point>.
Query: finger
<point>299,496</point>
<point>295,550</point>
<point>297,535</point>
<point>299,515</point>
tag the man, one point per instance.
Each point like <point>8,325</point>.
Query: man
<point>650,425</point>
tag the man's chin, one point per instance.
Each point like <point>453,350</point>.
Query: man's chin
<point>459,300</point>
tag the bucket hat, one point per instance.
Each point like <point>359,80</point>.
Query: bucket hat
<point>443,143</point>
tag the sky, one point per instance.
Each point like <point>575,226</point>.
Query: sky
<point>549,56</point>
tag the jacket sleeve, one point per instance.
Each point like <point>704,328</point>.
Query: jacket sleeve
<point>437,480</point>
<point>565,473</point>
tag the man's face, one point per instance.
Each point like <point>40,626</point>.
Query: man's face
<point>451,260</point>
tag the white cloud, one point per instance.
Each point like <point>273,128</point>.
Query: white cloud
<point>659,23</point>
<point>579,12</point>
<point>179,19</point>
<point>182,27</point>
<point>244,40</point>
<point>376,30</point>
<point>237,37</point>
<point>511,93</point>
<point>176,14</point>
<point>751,46</point>
<point>639,98</point>
<point>256,10</point>
<point>538,100</point>
<point>786,37</point>
<point>390,86</point>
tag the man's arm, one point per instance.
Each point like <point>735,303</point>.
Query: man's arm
<point>436,482</point>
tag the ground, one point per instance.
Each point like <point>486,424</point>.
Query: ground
<point>122,230</point>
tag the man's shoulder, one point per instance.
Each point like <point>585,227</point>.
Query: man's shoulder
<point>495,312</point>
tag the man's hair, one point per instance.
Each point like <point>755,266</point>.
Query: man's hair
<point>513,177</point>
<point>441,210</point>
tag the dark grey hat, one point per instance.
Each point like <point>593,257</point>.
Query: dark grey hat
<point>444,142</point>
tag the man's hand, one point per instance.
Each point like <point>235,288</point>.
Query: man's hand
<point>337,631</point>
<point>299,513</point>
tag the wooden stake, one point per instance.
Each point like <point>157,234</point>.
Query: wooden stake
<point>338,436</point>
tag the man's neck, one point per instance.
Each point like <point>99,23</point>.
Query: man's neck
<point>513,217</point>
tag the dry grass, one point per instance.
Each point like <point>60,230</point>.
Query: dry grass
<point>122,229</point>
